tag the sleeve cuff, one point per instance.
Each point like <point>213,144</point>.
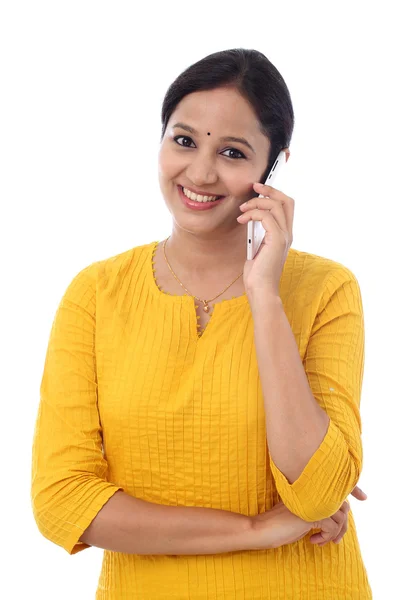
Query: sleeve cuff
<point>72,544</point>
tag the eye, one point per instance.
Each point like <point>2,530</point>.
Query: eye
<point>186,137</point>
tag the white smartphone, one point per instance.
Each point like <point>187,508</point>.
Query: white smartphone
<point>255,230</point>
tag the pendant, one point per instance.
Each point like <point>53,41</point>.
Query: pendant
<point>206,308</point>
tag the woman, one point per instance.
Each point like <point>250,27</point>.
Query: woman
<point>200,413</point>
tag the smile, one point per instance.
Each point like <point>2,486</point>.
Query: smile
<point>199,197</point>
<point>199,205</point>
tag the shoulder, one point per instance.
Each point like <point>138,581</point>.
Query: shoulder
<point>316,282</point>
<point>100,273</point>
<point>120,265</point>
<point>316,270</point>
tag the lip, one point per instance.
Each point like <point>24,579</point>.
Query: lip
<point>198,205</point>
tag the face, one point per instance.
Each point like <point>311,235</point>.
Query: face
<point>209,164</point>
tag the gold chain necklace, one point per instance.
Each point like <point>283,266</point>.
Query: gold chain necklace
<point>206,308</point>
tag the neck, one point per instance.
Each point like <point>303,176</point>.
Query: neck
<point>207,256</point>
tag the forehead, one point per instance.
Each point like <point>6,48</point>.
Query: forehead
<point>220,109</point>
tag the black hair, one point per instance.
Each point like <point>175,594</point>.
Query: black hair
<point>255,78</point>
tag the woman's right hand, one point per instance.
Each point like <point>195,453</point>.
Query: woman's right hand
<point>278,526</point>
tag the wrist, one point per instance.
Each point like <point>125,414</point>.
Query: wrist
<point>261,535</point>
<point>261,299</point>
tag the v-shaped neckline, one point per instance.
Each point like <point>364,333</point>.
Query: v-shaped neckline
<point>189,301</point>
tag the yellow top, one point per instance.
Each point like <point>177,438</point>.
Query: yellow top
<point>134,397</point>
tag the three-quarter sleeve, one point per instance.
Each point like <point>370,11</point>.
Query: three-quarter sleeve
<point>69,482</point>
<point>334,365</point>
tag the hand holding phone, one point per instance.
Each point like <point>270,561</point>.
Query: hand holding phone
<point>255,230</point>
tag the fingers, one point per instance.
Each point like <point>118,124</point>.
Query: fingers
<point>330,529</point>
<point>341,533</point>
<point>333,528</point>
<point>255,209</point>
<point>359,494</point>
<point>344,509</point>
<point>270,200</point>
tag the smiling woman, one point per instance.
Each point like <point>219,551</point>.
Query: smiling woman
<point>151,438</point>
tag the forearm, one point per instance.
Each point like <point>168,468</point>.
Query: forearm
<point>295,423</point>
<point>131,525</point>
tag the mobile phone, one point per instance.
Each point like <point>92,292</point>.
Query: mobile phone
<point>255,230</point>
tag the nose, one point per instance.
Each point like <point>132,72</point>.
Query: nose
<point>201,171</point>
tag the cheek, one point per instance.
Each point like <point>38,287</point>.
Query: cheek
<point>241,187</point>
<point>162,162</point>
<point>242,193</point>
<point>169,165</point>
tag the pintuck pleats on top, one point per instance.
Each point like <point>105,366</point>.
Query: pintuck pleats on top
<point>133,397</point>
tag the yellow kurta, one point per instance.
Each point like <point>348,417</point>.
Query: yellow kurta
<point>133,397</point>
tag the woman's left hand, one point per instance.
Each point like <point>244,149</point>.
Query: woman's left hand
<point>341,516</point>
<point>276,213</point>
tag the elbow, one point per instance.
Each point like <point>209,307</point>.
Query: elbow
<point>322,500</point>
<point>43,512</point>
<point>42,518</point>
<point>327,479</point>
<point>311,510</point>
<point>64,508</point>
<point>315,509</point>
<point>51,502</point>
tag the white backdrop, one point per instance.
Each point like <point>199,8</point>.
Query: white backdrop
<point>82,85</point>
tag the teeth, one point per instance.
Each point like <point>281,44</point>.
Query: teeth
<point>197,197</point>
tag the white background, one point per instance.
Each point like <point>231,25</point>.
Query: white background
<point>82,85</point>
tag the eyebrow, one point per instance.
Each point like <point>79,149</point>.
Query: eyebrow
<point>229,138</point>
